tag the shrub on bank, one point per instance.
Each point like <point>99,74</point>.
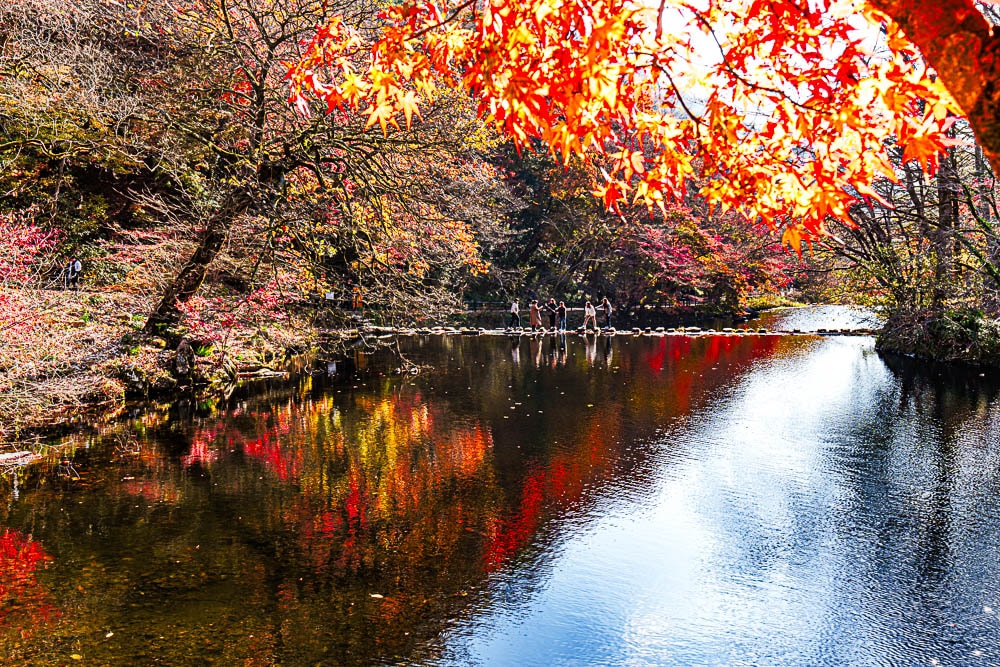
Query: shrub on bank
<point>964,335</point>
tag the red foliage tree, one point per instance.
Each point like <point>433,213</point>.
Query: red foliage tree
<point>782,109</point>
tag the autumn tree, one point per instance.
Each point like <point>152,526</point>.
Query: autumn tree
<point>314,199</point>
<point>780,110</point>
<point>563,243</point>
<point>924,251</point>
<point>160,135</point>
<point>68,96</point>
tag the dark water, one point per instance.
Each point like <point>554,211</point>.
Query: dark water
<point>649,501</point>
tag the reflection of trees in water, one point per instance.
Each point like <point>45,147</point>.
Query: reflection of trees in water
<point>919,472</point>
<point>290,511</point>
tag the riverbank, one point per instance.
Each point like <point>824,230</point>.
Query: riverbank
<point>67,356</point>
<point>963,336</point>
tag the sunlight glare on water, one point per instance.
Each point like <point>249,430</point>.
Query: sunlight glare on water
<point>749,548</point>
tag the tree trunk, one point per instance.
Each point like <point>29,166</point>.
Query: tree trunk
<point>187,282</point>
<point>958,42</point>
<point>944,236</point>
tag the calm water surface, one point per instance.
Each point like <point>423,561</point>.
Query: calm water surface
<point>630,501</point>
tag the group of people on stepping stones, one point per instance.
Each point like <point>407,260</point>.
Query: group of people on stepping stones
<point>556,314</point>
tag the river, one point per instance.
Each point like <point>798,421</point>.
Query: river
<point>654,500</point>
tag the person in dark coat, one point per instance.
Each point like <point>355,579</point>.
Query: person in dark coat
<point>534,315</point>
<point>561,313</point>
<point>552,310</point>
<point>72,273</point>
<point>606,307</point>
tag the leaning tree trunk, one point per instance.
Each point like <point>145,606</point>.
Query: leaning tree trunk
<point>187,282</point>
<point>959,43</point>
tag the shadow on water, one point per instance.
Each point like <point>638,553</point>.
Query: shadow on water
<point>372,518</point>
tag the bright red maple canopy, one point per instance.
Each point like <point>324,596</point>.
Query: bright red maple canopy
<point>781,110</point>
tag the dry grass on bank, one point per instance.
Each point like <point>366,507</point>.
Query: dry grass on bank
<point>66,354</point>
<point>52,345</point>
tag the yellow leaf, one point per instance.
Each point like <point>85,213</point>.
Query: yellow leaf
<point>408,103</point>
<point>381,114</point>
<point>792,238</point>
<point>638,163</point>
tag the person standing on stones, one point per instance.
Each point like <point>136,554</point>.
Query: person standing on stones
<point>561,314</point>
<point>534,315</point>
<point>606,307</point>
<point>552,310</point>
<point>515,316</point>
<point>589,315</point>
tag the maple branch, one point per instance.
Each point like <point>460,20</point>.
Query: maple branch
<point>680,98</point>
<point>446,20</point>
<point>659,20</point>
<point>739,77</point>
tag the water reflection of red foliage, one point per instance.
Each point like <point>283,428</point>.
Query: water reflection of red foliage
<point>507,537</point>
<point>286,464</point>
<point>384,469</point>
<point>201,451</point>
<point>688,358</point>
<point>557,485</point>
<point>562,481</point>
<point>353,505</point>
<point>20,592</point>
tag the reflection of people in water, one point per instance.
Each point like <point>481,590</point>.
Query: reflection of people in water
<point>607,351</point>
<point>562,348</point>
<point>590,347</point>
<point>515,349</point>
<point>535,346</point>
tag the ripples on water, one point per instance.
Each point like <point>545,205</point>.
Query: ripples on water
<point>651,501</point>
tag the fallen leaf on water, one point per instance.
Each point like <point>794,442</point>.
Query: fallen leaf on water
<point>378,596</point>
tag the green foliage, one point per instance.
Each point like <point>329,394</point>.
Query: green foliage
<point>767,301</point>
<point>107,272</point>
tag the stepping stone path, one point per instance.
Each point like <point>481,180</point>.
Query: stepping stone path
<point>385,333</point>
